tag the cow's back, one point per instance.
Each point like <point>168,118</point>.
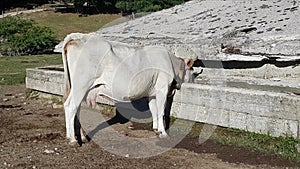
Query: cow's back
<point>132,72</point>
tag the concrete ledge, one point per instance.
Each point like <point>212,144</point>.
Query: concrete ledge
<point>267,112</point>
<point>49,81</point>
<point>264,112</point>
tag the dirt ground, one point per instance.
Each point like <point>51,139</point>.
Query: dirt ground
<point>33,136</point>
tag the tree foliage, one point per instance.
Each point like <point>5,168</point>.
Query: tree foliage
<point>99,6</point>
<point>146,5</point>
<point>128,6</point>
<point>124,6</point>
<point>8,4</point>
<point>95,6</point>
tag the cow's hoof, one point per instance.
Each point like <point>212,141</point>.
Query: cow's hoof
<point>85,139</point>
<point>163,135</point>
<point>73,144</point>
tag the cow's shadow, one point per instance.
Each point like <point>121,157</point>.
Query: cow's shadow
<point>135,111</point>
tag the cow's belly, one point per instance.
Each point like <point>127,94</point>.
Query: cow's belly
<point>123,94</point>
<point>125,86</point>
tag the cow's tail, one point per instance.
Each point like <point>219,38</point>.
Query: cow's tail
<point>66,68</point>
<point>70,39</point>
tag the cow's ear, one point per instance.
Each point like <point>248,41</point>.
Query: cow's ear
<point>189,62</point>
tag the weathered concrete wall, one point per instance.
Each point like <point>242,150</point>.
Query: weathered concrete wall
<point>258,111</point>
<point>276,113</point>
<point>49,81</point>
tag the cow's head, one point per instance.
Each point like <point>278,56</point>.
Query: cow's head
<point>190,73</point>
<point>189,78</point>
<point>188,58</point>
<point>186,72</point>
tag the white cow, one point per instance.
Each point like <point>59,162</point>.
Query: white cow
<point>95,66</point>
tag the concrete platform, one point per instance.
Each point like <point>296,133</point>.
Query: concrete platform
<point>248,107</point>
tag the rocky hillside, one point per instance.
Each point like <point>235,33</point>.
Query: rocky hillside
<point>247,30</point>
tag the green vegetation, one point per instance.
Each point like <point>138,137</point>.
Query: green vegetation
<point>12,69</point>
<point>285,147</point>
<point>125,6</point>
<point>41,33</point>
<point>146,5</point>
<point>95,6</point>
<point>282,146</point>
<point>28,4</point>
<point>98,6</point>
<point>20,37</point>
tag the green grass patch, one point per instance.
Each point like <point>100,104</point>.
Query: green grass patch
<point>285,147</point>
<point>13,69</point>
<point>282,146</point>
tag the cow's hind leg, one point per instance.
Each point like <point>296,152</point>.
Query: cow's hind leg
<point>79,133</point>
<point>72,107</point>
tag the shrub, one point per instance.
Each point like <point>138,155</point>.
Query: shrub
<point>13,25</point>
<point>23,37</point>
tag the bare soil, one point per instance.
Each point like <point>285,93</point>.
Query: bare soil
<point>33,136</point>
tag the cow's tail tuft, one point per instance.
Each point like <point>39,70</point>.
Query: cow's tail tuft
<point>66,68</point>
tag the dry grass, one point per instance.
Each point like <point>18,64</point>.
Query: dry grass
<point>65,23</point>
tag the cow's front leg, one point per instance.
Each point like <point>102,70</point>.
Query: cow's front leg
<point>161,97</point>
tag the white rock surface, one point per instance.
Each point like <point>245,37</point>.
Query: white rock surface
<point>257,26</point>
